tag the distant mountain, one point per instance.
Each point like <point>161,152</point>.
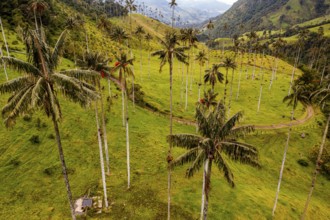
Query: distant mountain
<point>247,15</point>
<point>188,12</point>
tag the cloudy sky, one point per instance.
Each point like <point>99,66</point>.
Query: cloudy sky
<point>230,2</point>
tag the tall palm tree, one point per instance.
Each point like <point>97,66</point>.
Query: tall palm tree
<point>209,100</point>
<point>300,94</point>
<point>123,66</point>
<point>278,47</point>
<point>172,4</point>
<point>322,96</point>
<point>209,27</point>
<point>148,38</point>
<point>302,35</point>
<point>231,63</point>
<point>96,62</point>
<point>213,75</point>
<point>37,7</point>
<point>37,89</point>
<point>170,51</point>
<point>188,35</point>
<point>139,32</point>
<point>227,64</point>
<point>217,137</point>
<point>119,35</point>
<point>201,58</point>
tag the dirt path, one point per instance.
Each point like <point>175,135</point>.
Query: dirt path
<point>309,115</point>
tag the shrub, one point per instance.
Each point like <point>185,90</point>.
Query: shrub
<point>303,162</point>
<point>27,117</point>
<point>325,159</point>
<point>35,139</point>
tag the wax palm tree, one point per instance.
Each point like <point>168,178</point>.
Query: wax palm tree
<point>278,47</point>
<point>148,38</point>
<point>300,94</point>
<point>37,7</point>
<point>227,64</point>
<point>123,67</point>
<point>201,58</point>
<point>217,138</point>
<point>302,35</point>
<point>36,89</point>
<point>322,96</point>
<point>209,27</point>
<point>209,100</point>
<point>119,35</point>
<point>213,75</point>
<point>173,4</point>
<point>188,35</point>
<point>231,63</point>
<point>139,32</point>
<point>170,51</point>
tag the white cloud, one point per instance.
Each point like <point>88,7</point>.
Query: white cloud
<point>230,2</point>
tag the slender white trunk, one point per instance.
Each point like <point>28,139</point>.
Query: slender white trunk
<point>317,168</point>
<point>109,87</point>
<point>294,70</point>
<point>231,92</point>
<point>239,78</point>
<point>273,74</point>
<point>322,76</point>
<point>169,175</point>
<point>261,81</point>
<point>105,138</point>
<point>123,106</point>
<point>206,164</point>
<point>254,65</point>
<point>133,92</point>
<point>187,77</point>
<point>101,157</point>
<point>4,38</point>
<point>128,156</point>
<point>283,163</point>
<point>4,65</point>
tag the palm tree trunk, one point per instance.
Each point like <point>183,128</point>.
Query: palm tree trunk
<point>105,139</point>
<point>239,77</point>
<point>170,144</point>
<point>206,163</point>
<point>261,81</point>
<point>254,65</point>
<point>273,73</point>
<point>294,70</point>
<point>323,71</point>
<point>225,92</point>
<point>4,65</point>
<point>109,87</point>
<point>207,189</point>
<point>317,168</point>
<point>35,20</point>
<point>141,60</point>
<point>64,169</point>
<point>187,76</point>
<point>283,163</point>
<point>123,106</point>
<point>231,91</point>
<point>4,37</point>
<point>200,82</point>
<point>128,155</point>
<point>99,137</point>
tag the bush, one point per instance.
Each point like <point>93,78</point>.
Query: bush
<point>303,162</point>
<point>27,117</point>
<point>35,139</point>
<point>51,136</point>
<point>325,159</point>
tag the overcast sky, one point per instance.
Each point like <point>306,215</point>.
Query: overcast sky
<point>230,2</point>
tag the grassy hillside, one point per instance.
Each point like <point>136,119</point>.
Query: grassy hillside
<point>30,176</point>
<point>247,15</point>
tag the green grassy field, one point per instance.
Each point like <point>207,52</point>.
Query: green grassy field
<point>30,175</point>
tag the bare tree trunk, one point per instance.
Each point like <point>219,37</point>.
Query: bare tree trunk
<point>317,168</point>
<point>123,106</point>
<point>187,76</point>
<point>128,155</point>
<point>105,139</point>
<point>261,81</point>
<point>231,91</point>
<point>239,77</point>
<point>294,70</point>
<point>4,65</point>
<point>206,164</point>
<point>169,176</point>
<point>200,82</point>
<point>283,163</point>
<point>64,169</point>
<point>254,65</point>
<point>99,137</point>
<point>4,37</point>
<point>207,189</point>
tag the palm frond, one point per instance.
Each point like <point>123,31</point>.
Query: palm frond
<point>15,85</point>
<point>185,158</point>
<point>57,49</point>
<point>223,167</point>
<point>229,125</point>
<point>196,165</point>
<point>83,75</point>
<point>21,66</point>
<point>21,106</point>
<point>187,141</point>
<point>38,92</point>
<point>241,131</point>
<point>52,107</point>
<point>242,152</point>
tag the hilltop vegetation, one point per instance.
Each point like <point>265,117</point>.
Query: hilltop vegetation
<point>255,15</point>
<point>30,171</point>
